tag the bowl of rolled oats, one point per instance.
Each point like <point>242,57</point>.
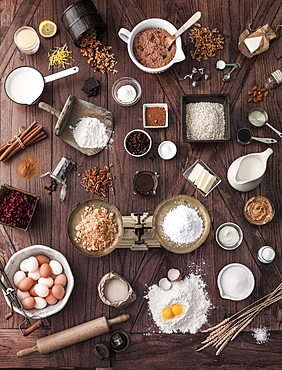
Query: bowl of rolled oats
<point>205,118</point>
<point>95,227</point>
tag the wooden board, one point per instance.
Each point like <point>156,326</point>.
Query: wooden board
<point>148,348</point>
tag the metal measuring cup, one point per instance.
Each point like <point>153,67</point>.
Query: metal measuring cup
<point>245,136</point>
<point>258,118</point>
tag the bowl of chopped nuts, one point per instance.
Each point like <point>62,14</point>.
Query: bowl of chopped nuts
<point>205,118</point>
<point>95,227</point>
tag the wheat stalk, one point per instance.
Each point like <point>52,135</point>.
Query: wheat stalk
<point>228,329</point>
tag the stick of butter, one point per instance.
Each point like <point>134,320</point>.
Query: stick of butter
<point>203,179</point>
<point>197,170</point>
<point>208,184</point>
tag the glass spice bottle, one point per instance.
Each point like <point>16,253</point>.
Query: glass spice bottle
<point>274,79</point>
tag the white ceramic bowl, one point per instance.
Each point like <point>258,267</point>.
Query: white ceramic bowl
<point>167,150</point>
<point>235,282</point>
<point>137,155</point>
<point>152,105</point>
<point>236,227</point>
<point>123,82</point>
<point>129,37</point>
<point>13,265</point>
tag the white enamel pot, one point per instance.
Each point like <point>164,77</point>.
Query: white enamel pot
<point>24,85</point>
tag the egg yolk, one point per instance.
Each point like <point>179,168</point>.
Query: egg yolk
<point>167,313</point>
<point>176,309</point>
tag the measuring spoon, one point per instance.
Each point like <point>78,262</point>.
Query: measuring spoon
<point>245,136</point>
<point>258,118</point>
<point>227,76</point>
<point>220,64</point>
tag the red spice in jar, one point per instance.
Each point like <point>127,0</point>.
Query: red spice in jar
<point>155,116</point>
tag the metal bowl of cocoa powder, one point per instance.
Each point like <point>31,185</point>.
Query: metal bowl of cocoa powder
<point>137,143</point>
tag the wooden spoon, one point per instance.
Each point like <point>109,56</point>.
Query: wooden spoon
<point>170,39</point>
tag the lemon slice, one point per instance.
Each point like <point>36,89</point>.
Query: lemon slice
<point>47,28</point>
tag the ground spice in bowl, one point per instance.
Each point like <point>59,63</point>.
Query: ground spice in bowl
<point>155,116</point>
<point>28,167</point>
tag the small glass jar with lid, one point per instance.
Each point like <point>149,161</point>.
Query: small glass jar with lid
<point>274,79</point>
<point>266,254</point>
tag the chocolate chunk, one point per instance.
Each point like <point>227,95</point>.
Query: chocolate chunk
<point>91,87</point>
<point>91,83</point>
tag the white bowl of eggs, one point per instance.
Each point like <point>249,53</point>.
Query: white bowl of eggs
<point>42,278</point>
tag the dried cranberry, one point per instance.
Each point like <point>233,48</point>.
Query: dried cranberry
<point>16,208</point>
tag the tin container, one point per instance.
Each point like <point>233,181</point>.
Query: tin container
<point>82,17</point>
<point>3,190</point>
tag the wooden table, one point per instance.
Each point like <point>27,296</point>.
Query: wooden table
<point>147,350</point>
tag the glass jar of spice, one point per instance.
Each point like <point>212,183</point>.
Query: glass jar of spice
<point>274,79</point>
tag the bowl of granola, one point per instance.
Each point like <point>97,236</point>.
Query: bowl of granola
<point>95,227</point>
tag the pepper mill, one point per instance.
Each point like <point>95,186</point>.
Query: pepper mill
<point>266,254</point>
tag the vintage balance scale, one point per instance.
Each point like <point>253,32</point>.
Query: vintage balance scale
<point>140,231</point>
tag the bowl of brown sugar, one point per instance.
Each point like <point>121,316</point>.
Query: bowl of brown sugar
<point>155,115</point>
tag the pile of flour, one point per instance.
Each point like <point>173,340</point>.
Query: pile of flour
<point>189,292</point>
<point>183,225</point>
<point>90,133</point>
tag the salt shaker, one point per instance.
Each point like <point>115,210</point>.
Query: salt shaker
<point>266,254</point>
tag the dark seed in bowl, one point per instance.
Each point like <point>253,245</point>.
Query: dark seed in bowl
<point>137,143</point>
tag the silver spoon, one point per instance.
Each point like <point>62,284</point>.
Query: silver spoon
<point>227,76</point>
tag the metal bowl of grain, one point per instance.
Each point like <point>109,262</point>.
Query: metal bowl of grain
<point>205,118</point>
<point>95,227</point>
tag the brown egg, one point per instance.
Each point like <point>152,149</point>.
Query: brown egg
<point>60,280</point>
<point>28,303</point>
<point>58,291</point>
<point>25,284</point>
<point>45,270</point>
<point>32,291</point>
<point>42,259</point>
<point>50,299</point>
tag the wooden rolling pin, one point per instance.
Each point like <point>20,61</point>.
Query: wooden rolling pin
<point>73,335</point>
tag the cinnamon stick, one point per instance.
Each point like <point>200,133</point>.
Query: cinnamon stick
<point>3,147</point>
<point>15,141</point>
<point>40,137</point>
<point>24,140</point>
<point>29,136</point>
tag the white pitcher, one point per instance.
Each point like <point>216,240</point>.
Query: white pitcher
<point>246,172</point>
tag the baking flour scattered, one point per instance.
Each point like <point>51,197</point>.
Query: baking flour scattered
<point>90,133</point>
<point>183,225</point>
<point>189,292</point>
